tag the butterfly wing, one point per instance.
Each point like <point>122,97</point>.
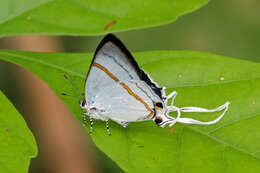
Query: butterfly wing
<point>117,87</point>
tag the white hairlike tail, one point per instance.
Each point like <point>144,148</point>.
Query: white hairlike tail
<point>179,119</point>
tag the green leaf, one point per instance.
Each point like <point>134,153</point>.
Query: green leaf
<point>201,79</point>
<point>81,17</point>
<point>17,145</point>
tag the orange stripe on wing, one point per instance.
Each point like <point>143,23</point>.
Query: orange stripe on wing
<point>137,98</point>
<point>150,114</point>
<point>106,71</point>
<point>125,87</point>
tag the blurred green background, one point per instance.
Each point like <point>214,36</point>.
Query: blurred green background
<point>229,28</point>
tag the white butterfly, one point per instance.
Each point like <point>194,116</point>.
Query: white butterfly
<point>117,89</point>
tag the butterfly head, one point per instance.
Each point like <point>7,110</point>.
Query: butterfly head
<point>161,117</point>
<point>163,120</point>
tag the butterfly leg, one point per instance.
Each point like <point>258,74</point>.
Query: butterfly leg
<point>84,116</point>
<point>91,125</point>
<point>124,124</point>
<point>107,126</point>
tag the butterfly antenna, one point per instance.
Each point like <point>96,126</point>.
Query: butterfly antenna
<point>73,85</point>
<point>64,94</point>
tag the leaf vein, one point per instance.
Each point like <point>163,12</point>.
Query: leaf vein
<point>231,123</point>
<point>44,63</point>
<point>225,143</point>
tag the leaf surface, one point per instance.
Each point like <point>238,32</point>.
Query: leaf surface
<point>17,145</point>
<point>201,79</point>
<point>81,17</point>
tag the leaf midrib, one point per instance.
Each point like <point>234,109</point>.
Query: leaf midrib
<point>190,127</point>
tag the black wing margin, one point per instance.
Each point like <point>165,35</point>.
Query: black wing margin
<point>143,76</point>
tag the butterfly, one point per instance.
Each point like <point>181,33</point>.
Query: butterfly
<point>117,89</point>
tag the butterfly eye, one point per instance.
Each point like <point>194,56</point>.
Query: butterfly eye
<point>83,103</point>
<point>157,120</point>
<point>158,105</point>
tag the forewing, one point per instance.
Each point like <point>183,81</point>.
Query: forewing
<point>116,84</point>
